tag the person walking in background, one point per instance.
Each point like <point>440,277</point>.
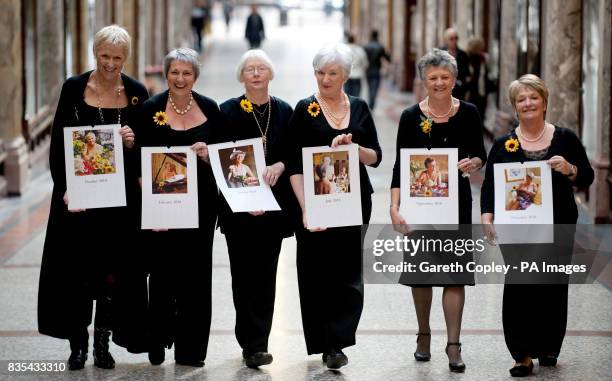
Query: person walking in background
<point>360,63</point>
<point>451,39</point>
<point>228,8</point>
<point>375,53</point>
<point>478,84</point>
<point>254,32</point>
<point>197,24</point>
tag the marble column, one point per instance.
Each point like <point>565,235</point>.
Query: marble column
<point>561,58</point>
<point>507,56</point>
<point>599,204</point>
<point>12,144</point>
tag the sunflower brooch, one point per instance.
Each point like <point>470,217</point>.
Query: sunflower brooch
<point>426,124</point>
<point>160,118</point>
<point>134,101</point>
<point>246,105</point>
<point>511,145</point>
<point>314,109</point>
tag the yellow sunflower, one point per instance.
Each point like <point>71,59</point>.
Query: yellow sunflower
<point>426,124</point>
<point>428,193</point>
<point>160,118</point>
<point>134,101</point>
<point>512,145</point>
<point>246,105</point>
<point>314,109</point>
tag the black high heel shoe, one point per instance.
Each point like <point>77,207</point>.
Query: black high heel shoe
<point>457,367</point>
<point>422,356</point>
<point>522,370</point>
<point>101,355</point>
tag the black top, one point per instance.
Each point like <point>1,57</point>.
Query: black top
<point>254,30</point>
<point>462,131</point>
<point>150,134</point>
<point>243,126</point>
<point>309,131</point>
<point>463,71</point>
<point>375,52</point>
<point>564,143</point>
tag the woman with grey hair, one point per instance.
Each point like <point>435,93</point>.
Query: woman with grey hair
<point>257,114</point>
<point>330,275</point>
<point>180,288</point>
<point>71,279</point>
<point>440,121</point>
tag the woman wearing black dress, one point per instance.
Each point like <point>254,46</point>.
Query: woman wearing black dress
<point>256,114</point>
<point>535,315</point>
<point>440,121</point>
<point>181,259</point>
<point>330,276</point>
<point>78,265</point>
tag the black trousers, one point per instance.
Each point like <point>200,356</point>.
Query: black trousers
<point>180,284</point>
<point>373,85</point>
<point>353,87</point>
<point>253,285</point>
<point>534,319</point>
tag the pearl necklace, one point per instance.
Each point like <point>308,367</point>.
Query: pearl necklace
<point>520,133</point>
<point>450,110</point>
<point>176,109</point>
<point>336,119</point>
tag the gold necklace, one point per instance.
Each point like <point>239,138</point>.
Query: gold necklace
<point>264,134</point>
<point>176,109</point>
<point>336,119</point>
<point>100,102</point>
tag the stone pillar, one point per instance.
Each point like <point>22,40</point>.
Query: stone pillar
<point>561,58</point>
<point>599,203</point>
<point>508,54</point>
<point>14,148</point>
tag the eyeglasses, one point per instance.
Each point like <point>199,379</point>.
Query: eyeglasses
<point>253,69</point>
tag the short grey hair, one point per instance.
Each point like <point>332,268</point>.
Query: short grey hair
<point>254,54</point>
<point>113,35</point>
<point>437,58</point>
<point>338,53</point>
<point>184,55</point>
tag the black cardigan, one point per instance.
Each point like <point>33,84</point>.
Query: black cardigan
<point>242,125</point>
<point>564,143</point>
<point>462,131</point>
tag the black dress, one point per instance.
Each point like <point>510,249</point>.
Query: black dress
<point>329,263</point>
<point>89,255</point>
<point>180,260</point>
<point>254,274</point>
<point>535,315</point>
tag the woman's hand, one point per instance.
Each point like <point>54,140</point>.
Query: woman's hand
<point>272,173</point>
<point>399,223</point>
<point>71,210</point>
<point>127,136</point>
<point>489,230</point>
<point>257,213</point>
<point>342,139</point>
<point>469,165</point>
<point>559,164</point>
<point>201,149</point>
<point>159,230</point>
<point>306,225</point>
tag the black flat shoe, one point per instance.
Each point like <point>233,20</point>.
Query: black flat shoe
<point>422,356</point>
<point>547,360</point>
<point>521,370</point>
<point>157,355</point>
<point>335,359</point>
<point>258,359</point>
<point>189,362</point>
<point>457,367</point>
<point>102,357</point>
<point>77,359</point>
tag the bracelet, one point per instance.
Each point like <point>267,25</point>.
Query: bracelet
<point>574,170</point>
<point>393,206</point>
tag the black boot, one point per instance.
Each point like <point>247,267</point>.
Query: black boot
<point>78,353</point>
<point>102,357</point>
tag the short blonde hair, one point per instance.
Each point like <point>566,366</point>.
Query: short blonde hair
<point>113,35</point>
<point>530,81</point>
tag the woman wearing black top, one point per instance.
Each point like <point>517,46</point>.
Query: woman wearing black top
<point>440,121</point>
<point>535,315</point>
<point>76,267</point>
<point>181,259</point>
<point>257,114</point>
<point>330,275</point>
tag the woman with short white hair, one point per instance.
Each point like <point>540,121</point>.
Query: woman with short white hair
<point>330,275</point>
<point>76,268</point>
<point>257,114</point>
